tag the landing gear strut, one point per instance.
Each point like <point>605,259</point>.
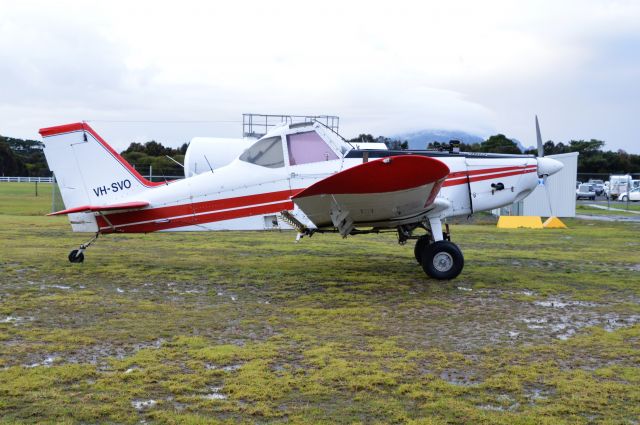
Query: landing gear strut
<point>77,255</point>
<point>439,257</point>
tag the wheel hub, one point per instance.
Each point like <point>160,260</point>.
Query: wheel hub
<point>442,261</point>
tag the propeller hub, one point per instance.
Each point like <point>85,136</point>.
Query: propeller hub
<point>548,166</point>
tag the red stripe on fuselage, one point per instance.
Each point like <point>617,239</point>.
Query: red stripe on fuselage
<point>188,214</point>
<point>172,223</point>
<point>460,177</point>
<point>497,170</point>
<point>498,175</point>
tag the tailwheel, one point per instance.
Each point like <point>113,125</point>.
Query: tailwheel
<point>442,260</point>
<point>421,243</point>
<point>76,256</point>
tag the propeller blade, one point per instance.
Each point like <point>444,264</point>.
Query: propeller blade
<point>540,148</point>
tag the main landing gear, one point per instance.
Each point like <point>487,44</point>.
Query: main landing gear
<point>77,255</point>
<point>439,257</point>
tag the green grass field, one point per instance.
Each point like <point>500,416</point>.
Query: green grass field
<point>620,210</point>
<point>542,326</point>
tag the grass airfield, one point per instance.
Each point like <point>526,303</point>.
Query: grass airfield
<point>542,326</point>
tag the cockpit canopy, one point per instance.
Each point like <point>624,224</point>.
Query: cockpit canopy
<point>304,144</point>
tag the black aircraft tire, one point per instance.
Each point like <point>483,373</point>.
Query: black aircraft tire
<point>421,243</point>
<point>442,260</point>
<point>74,257</point>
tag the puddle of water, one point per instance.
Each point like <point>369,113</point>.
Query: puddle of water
<point>12,319</point>
<point>564,326</point>
<point>229,368</point>
<point>143,404</point>
<point>457,377</point>
<point>535,394</point>
<point>491,407</point>
<point>232,367</point>
<point>215,394</point>
<point>556,303</point>
<point>535,320</point>
<point>48,361</point>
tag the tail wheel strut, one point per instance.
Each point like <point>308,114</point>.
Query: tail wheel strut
<point>77,255</point>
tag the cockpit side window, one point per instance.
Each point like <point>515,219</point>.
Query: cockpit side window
<point>266,153</point>
<point>308,147</point>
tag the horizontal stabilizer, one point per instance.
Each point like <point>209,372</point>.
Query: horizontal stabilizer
<point>100,208</point>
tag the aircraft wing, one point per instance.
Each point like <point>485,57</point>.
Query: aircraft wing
<point>381,191</point>
<point>100,208</point>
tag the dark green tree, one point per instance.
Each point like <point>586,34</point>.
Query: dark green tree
<point>499,144</point>
<point>10,164</point>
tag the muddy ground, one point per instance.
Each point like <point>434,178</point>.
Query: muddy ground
<point>541,327</point>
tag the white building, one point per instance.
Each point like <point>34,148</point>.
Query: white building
<point>562,193</point>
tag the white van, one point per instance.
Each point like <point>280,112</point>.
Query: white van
<point>617,185</point>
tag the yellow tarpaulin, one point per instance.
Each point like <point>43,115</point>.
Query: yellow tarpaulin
<point>554,223</point>
<point>518,221</point>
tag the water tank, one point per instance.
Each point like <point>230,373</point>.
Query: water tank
<point>206,153</point>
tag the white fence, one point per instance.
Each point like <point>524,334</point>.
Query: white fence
<point>27,179</point>
<point>154,178</point>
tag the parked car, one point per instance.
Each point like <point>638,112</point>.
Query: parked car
<point>598,186</point>
<point>586,191</point>
<point>634,195</point>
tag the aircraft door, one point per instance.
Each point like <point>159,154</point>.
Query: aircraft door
<point>310,159</point>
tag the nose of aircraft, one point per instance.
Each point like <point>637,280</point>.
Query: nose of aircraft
<point>548,166</point>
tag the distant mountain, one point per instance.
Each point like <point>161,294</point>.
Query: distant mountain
<point>521,146</point>
<point>420,139</point>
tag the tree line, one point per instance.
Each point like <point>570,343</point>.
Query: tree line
<point>153,156</point>
<point>25,158</point>
<point>19,157</point>
<point>593,159</point>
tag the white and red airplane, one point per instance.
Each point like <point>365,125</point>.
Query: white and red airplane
<point>302,176</point>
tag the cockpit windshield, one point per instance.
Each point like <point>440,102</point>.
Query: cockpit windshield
<point>266,153</point>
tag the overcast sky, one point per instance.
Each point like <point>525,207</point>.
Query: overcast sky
<point>384,67</point>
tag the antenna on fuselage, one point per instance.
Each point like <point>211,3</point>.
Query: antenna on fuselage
<point>208,163</point>
<point>177,162</point>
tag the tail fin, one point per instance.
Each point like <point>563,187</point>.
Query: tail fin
<point>88,170</point>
